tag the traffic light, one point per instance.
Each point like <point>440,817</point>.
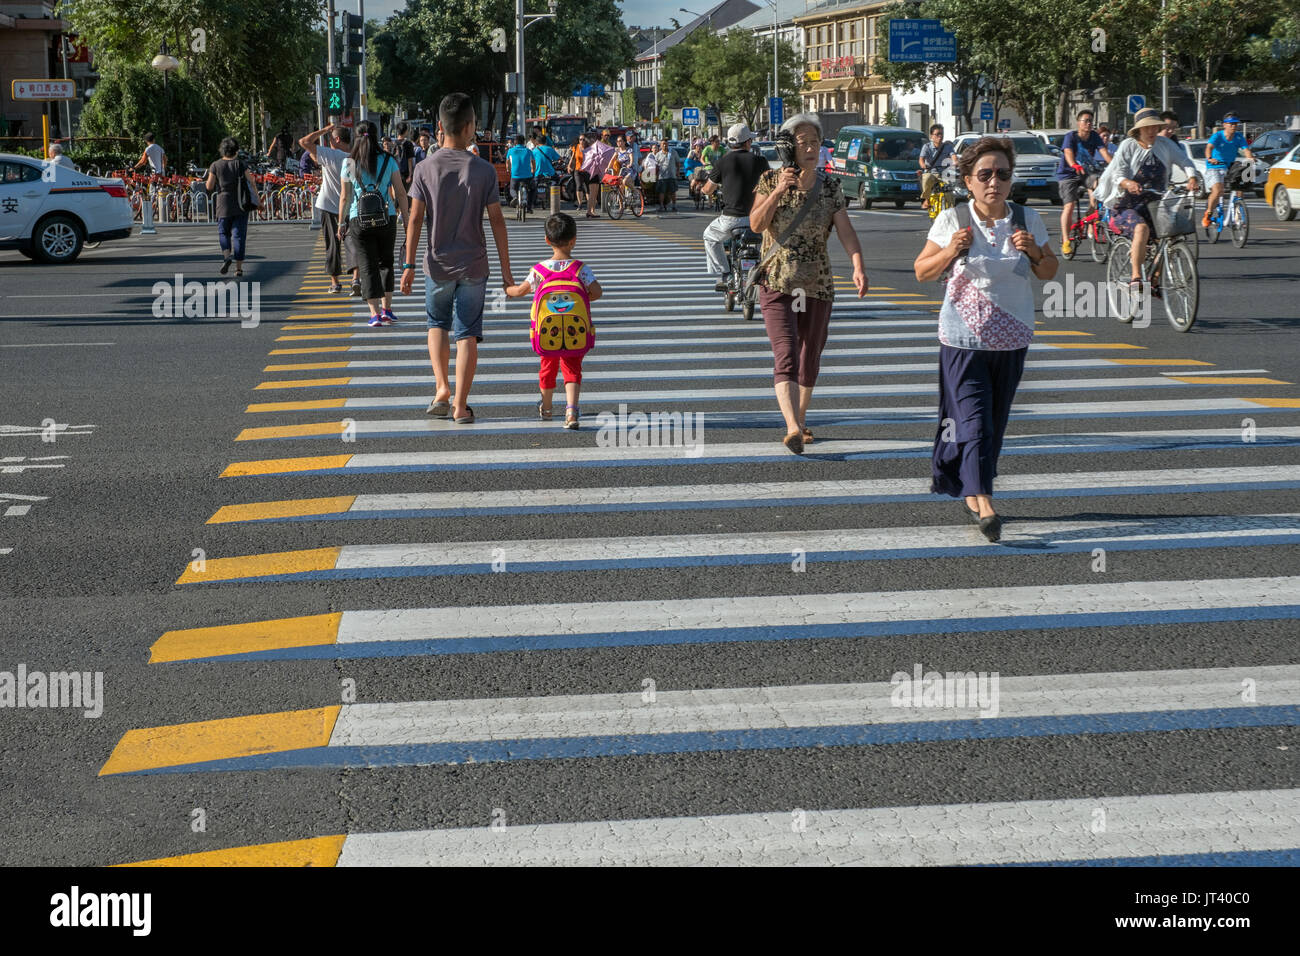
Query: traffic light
<point>354,43</point>
<point>335,100</point>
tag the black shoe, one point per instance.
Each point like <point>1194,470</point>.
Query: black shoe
<point>225,266</point>
<point>991,527</point>
<point>971,513</point>
<point>720,285</point>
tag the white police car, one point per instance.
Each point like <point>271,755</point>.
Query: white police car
<point>49,211</point>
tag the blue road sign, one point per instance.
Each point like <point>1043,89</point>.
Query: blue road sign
<point>921,41</point>
<point>986,111</point>
<point>711,116</point>
<point>958,101</point>
<point>1136,101</point>
<point>1004,124</point>
<point>590,89</point>
<point>776,107</point>
<point>690,116</point>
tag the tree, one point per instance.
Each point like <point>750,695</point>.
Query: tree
<point>233,49</point>
<point>436,47</point>
<point>726,72</point>
<point>131,101</point>
<point>1201,36</point>
<point>1276,58</point>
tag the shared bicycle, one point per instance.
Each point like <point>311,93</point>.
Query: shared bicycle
<point>1169,271</point>
<point>1230,211</point>
<point>619,197</point>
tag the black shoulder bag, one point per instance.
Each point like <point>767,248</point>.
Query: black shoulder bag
<point>247,198</point>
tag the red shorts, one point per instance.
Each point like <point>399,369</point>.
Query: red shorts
<point>572,366</point>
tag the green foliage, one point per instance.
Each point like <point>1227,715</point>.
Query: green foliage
<point>629,106</point>
<point>436,47</point>
<point>232,49</point>
<point>1276,57</point>
<point>728,72</point>
<point>131,101</point>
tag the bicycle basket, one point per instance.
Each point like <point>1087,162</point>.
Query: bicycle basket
<point>1236,175</point>
<point>1173,215</point>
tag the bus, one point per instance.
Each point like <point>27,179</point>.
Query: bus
<point>563,130</point>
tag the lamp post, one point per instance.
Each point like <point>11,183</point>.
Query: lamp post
<point>165,62</point>
<point>522,23</point>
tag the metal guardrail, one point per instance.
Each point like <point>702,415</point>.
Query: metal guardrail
<point>173,205</point>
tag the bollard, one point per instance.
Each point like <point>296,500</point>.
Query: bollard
<point>146,215</point>
<point>555,199</point>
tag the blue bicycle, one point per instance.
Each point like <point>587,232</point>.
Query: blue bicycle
<point>1231,211</point>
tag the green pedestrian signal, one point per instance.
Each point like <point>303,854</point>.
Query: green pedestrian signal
<point>334,98</point>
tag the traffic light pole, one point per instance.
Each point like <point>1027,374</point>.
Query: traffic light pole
<point>329,36</point>
<point>361,67</point>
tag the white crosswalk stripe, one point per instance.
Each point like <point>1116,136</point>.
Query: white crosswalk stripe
<point>664,343</point>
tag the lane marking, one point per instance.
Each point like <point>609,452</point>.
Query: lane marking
<point>767,494</point>
<point>316,851</point>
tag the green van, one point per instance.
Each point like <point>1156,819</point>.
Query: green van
<point>875,163</point>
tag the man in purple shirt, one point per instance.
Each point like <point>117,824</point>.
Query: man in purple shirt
<point>455,187</point>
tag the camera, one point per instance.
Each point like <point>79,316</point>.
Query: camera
<point>786,149</point>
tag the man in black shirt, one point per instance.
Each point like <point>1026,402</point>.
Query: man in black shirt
<point>736,174</point>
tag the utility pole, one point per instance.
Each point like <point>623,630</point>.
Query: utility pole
<point>1164,72</point>
<point>329,36</point>
<point>522,23</point>
<point>361,67</point>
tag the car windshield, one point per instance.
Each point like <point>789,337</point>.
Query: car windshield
<point>898,146</point>
<point>1029,145</point>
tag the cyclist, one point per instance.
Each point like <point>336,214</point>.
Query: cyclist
<point>1081,147</point>
<point>627,156</point>
<point>713,152</point>
<point>544,160</point>
<point>736,174</point>
<point>1220,151</point>
<point>936,156</point>
<point>1142,162</point>
<point>523,171</point>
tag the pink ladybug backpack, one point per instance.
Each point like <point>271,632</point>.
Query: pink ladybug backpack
<point>561,317</point>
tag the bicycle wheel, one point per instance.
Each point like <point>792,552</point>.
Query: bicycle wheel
<point>614,203</point>
<point>636,200</point>
<point>1117,276</point>
<point>1098,245</point>
<point>1216,224</point>
<point>749,301</point>
<point>1240,222</point>
<point>1181,285</point>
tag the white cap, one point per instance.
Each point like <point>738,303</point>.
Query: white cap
<point>739,134</point>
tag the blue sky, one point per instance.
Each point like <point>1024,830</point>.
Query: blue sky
<point>646,13</point>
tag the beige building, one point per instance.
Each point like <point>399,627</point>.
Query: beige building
<point>841,39</point>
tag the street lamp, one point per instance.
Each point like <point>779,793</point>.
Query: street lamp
<point>522,23</point>
<point>694,14</point>
<point>165,63</point>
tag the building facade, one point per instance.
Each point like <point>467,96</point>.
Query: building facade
<point>30,35</point>
<point>841,40</point>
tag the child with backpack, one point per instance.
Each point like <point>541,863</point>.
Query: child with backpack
<point>561,331</point>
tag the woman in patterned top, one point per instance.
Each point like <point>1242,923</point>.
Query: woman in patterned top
<point>985,325</point>
<point>798,272</point>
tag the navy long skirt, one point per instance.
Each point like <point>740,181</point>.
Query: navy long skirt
<point>976,389</point>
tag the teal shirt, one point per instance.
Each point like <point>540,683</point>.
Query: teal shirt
<point>386,167</point>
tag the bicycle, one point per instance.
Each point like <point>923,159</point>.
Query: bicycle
<point>1169,270</point>
<point>1231,210</point>
<point>618,197</point>
<point>941,198</point>
<point>521,203</point>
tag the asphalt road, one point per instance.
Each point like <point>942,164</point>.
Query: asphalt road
<point>1182,495</point>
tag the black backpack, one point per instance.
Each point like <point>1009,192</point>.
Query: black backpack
<point>372,205</point>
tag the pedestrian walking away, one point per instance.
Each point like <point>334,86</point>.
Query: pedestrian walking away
<point>992,247</point>
<point>452,190</point>
<point>736,174</point>
<point>224,177</point>
<point>329,146</point>
<point>370,178</point>
<point>795,208</point>
<point>523,173</point>
<point>557,303</point>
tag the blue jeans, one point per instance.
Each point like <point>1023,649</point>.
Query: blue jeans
<point>231,230</point>
<point>456,306</point>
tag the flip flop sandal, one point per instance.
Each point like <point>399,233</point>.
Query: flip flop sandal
<point>794,443</point>
<point>544,413</point>
<point>807,436</point>
<point>438,409</point>
<point>467,418</point>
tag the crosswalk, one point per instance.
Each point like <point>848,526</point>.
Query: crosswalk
<point>1147,494</point>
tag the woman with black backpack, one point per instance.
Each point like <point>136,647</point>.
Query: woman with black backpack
<point>370,198</point>
<point>236,190</point>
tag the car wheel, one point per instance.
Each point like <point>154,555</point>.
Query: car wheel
<point>863,201</point>
<point>1282,207</point>
<point>57,240</point>
<point>900,203</point>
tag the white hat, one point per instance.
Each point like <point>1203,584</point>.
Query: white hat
<point>739,134</point>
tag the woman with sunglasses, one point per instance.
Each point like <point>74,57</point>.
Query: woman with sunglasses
<point>985,325</point>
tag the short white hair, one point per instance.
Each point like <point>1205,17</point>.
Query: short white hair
<point>802,119</point>
<point>56,149</point>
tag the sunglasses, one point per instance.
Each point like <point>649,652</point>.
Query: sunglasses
<point>984,175</point>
